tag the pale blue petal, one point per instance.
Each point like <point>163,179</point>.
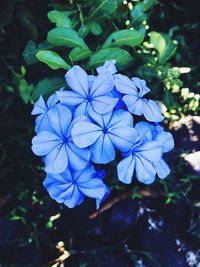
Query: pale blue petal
<point>121,118</point>
<point>85,134</point>
<point>99,201</point>
<point>123,138</point>
<point>101,120</point>
<point>78,157</point>
<point>166,139</point>
<point>70,98</point>
<point>141,85</point>
<point>125,169</point>
<point>120,104</point>
<point>56,161</point>
<point>151,151</point>
<point>52,100</point>
<point>77,80</point>
<point>152,111</point>
<point>145,172</point>
<point>145,130</point>
<point>45,142</point>
<point>102,151</point>
<point>102,85</point>
<point>39,107</point>
<point>103,104</point>
<point>42,123</point>
<point>60,117</point>
<point>82,109</point>
<point>109,65</point>
<point>134,104</point>
<point>74,198</point>
<point>91,79</point>
<point>84,175</point>
<point>125,85</point>
<point>161,168</point>
<point>94,188</point>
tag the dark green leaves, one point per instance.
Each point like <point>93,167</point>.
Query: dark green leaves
<point>164,45</point>
<point>120,55</point>
<point>60,18</point>
<point>52,59</point>
<point>79,53</point>
<point>47,86</point>
<point>102,8</point>
<point>124,38</point>
<point>65,37</point>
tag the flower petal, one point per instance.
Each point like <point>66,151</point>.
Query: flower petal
<point>151,151</point>
<point>141,85</point>
<point>73,198</point>
<point>77,80</point>
<point>166,139</point>
<point>94,188</point>
<point>52,100</point>
<point>121,118</point>
<point>101,120</point>
<point>102,85</point>
<point>56,161</point>
<point>85,134</point>
<point>82,109</point>
<point>42,123</point>
<point>45,142</point>
<point>102,151</point>
<point>151,111</point>
<point>161,168</point>
<point>125,169</point>
<point>123,138</point>
<point>70,98</point>
<point>145,130</point>
<point>109,65</point>
<point>78,157</point>
<point>125,85</point>
<point>145,172</point>
<point>60,117</point>
<point>39,107</point>
<point>103,104</point>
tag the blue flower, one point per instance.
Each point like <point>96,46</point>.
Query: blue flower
<point>56,145</point>
<point>134,90</point>
<point>109,66</point>
<point>114,129</point>
<point>70,187</point>
<point>41,108</point>
<point>89,93</point>
<point>145,157</point>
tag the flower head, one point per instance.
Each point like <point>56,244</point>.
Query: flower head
<point>134,90</point>
<point>70,187</point>
<point>56,145</point>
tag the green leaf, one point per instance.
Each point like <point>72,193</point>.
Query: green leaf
<point>79,53</point>
<point>65,37</point>
<point>137,14</point>
<point>29,53</point>
<point>60,18</point>
<point>47,86</point>
<point>168,99</point>
<point>102,7</point>
<point>121,56</point>
<point>146,72</point>
<point>124,37</point>
<point>95,28</point>
<point>148,4</point>
<point>52,59</point>
<point>164,45</point>
<point>25,90</point>
<point>83,31</point>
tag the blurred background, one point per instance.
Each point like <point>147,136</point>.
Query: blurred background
<point>143,226</point>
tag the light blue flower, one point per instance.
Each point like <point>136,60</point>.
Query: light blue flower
<point>71,187</point>
<point>41,108</point>
<point>104,133</point>
<point>89,93</point>
<point>109,66</point>
<point>56,145</point>
<point>134,90</point>
<point>145,157</point>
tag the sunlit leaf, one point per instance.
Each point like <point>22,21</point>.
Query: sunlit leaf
<point>60,18</point>
<point>79,53</point>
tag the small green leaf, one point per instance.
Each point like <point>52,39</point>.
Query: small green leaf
<point>83,31</point>
<point>65,37</point>
<point>25,90</point>
<point>146,72</point>
<point>102,7</point>
<point>137,14</point>
<point>164,45</point>
<point>47,86</point>
<point>95,28</point>
<point>79,53</point>
<point>52,59</point>
<point>29,53</point>
<point>121,56</point>
<point>60,18</point>
<point>168,99</point>
<point>124,37</point>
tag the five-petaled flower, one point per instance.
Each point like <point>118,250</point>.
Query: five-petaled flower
<point>70,187</point>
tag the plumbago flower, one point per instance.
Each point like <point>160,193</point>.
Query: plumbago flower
<point>88,93</point>
<point>87,124</point>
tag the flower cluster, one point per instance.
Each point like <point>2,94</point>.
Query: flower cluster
<point>85,126</point>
